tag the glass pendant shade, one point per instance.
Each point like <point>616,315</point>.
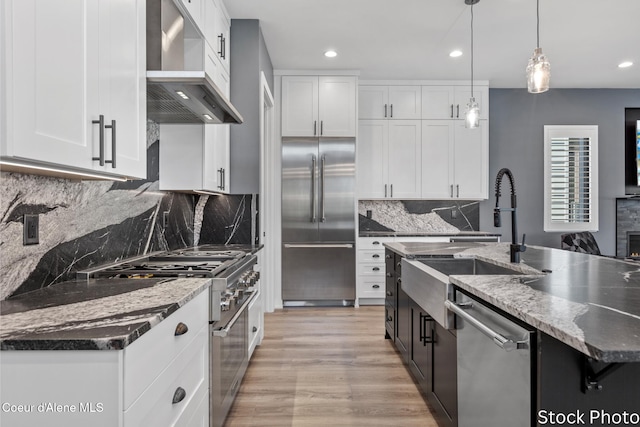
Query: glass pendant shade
<point>472,116</point>
<point>538,72</point>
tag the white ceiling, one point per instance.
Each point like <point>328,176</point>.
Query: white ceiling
<point>584,40</point>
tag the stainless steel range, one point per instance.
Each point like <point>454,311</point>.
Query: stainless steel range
<point>231,292</point>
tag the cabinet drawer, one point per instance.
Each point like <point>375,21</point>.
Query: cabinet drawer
<point>148,356</point>
<point>371,269</point>
<point>255,322</point>
<point>373,243</point>
<point>199,417</point>
<point>371,256</point>
<point>188,371</point>
<point>371,288</point>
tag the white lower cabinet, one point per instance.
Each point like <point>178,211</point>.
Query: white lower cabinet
<point>161,379</point>
<point>370,268</point>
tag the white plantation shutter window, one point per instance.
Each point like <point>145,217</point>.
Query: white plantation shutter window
<point>571,178</point>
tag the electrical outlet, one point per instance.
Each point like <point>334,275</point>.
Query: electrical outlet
<point>165,219</point>
<point>369,214</point>
<point>31,230</point>
<point>454,213</point>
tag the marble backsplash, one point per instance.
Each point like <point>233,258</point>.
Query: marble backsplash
<point>439,216</point>
<point>88,223</point>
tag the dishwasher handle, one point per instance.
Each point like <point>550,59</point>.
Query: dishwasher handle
<point>505,343</point>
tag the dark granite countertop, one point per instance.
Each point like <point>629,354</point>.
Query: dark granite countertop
<point>588,302</point>
<point>99,314</point>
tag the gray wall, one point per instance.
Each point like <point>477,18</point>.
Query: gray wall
<point>516,142</point>
<point>249,56</point>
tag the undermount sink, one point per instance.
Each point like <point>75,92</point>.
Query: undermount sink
<point>466,266</point>
<point>426,281</point>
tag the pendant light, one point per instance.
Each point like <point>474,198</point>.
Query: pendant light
<point>472,115</point>
<point>538,68</point>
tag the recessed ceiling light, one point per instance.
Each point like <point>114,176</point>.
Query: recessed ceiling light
<point>625,64</point>
<point>331,54</point>
<point>182,94</point>
<point>208,117</point>
<point>455,53</point>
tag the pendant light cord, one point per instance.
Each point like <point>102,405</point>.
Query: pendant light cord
<point>472,51</point>
<point>537,23</point>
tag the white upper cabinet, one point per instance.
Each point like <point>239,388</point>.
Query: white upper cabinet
<point>389,102</point>
<point>450,102</point>
<point>217,29</point>
<point>75,81</point>
<point>319,106</point>
<point>454,160</point>
<point>388,159</point>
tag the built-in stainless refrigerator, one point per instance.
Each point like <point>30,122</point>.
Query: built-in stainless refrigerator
<point>318,221</point>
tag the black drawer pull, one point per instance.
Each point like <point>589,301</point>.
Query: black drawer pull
<point>376,268</point>
<point>181,329</point>
<point>376,243</point>
<point>376,286</point>
<point>255,329</point>
<point>376,256</point>
<point>179,395</point>
<point>389,319</point>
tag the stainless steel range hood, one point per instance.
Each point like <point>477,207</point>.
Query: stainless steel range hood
<point>175,94</point>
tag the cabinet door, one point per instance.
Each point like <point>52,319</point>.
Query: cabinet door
<point>337,106</point>
<point>222,157</point>
<point>373,102</point>
<point>51,91</point>
<point>437,159</point>
<point>123,85</point>
<point>223,31</point>
<point>471,157</point>
<point>404,102</point>
<point>300,106</point>
<point>445,379</point>
<point>371,163</point>
<point>420,358</point>
<point>403,323</point>
<point>404,158</point>
<point>438,102</point>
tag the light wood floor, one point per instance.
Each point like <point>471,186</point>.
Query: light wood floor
<point>328,367</point>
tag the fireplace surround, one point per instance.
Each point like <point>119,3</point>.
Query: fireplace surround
<point>628,227</point>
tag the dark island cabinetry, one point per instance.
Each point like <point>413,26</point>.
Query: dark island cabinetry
<point>426,348</point>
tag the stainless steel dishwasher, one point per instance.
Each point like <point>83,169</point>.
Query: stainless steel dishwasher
<point>494,358</point>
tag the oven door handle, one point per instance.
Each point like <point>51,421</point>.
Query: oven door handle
<point>223,332</point>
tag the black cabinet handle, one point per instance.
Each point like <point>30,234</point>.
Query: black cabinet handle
<point>458,111</point>
<point>424,318</point>
<point>112,126</point>
<point>391,110</point>
<point>375,286</point>
<point>375,256</point>
<point>315,127</point>
<point>181,329</point>
<point>179,395</point>
<point>385,110</point>
<point>321,127</point>
<point>376,269</point>
<point>389,319</point>
<point>100,122</point>
<point>255,329</point>
<point>375,242</point>
<point>452,111</point>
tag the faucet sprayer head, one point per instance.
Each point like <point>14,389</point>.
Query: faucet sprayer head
<point>497,222</point>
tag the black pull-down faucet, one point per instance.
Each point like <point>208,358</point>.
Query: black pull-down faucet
<point>515,248</point>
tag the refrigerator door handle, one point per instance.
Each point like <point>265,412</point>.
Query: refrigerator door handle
<point>319,245</point>
<point>313,188</point>
<point>322,216</point>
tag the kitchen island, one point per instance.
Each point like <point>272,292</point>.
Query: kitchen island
<point>585,311</point>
